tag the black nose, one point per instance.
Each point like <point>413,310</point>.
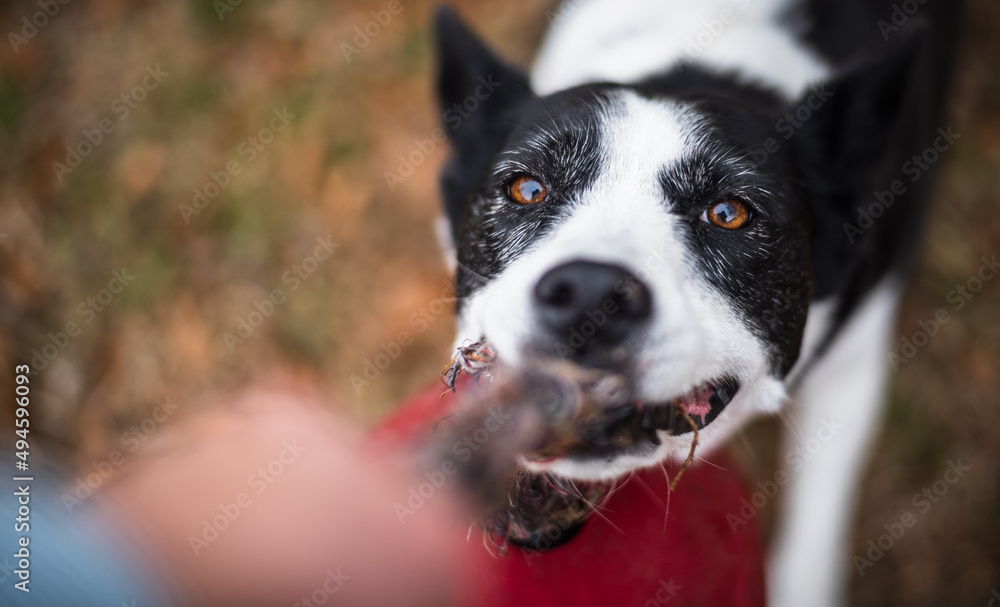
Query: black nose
<point>585,304</point>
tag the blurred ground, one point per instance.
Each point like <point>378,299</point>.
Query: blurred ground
<point>155,99</point>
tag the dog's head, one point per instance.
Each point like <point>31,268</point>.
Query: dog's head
<point>665,231</point>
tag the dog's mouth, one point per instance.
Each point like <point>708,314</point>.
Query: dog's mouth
<point>555,410</point>
<point>633,426</point>
<point>569,411</point>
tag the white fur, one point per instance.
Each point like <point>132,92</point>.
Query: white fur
<point>626,40</point>
<point>811,549</point>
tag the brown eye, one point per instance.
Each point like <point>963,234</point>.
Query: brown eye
<point>526,190</point>
<point>730,214</point>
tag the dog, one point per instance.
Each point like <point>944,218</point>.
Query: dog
<point>708,198</point>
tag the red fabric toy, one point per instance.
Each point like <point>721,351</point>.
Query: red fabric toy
<point>627,557</point>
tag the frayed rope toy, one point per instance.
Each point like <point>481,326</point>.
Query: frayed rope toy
<point>545,410</point>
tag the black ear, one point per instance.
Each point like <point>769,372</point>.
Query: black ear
<point>851,145</point>
<point>857,112</point>
<point>478,94</point>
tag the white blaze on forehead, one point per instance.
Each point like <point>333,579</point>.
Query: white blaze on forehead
<point>625,219</point>
<point>624,213</point>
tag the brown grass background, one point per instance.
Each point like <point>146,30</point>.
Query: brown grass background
<point>324,176</point>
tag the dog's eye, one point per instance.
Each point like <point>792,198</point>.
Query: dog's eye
<point>730,214</point>
<point>526,190</point>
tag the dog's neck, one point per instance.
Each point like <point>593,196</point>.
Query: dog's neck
<point>627,40</point>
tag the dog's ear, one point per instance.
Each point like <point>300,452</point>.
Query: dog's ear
<point>852,143</point>
<point>857,111</point>
<point>477,93</point>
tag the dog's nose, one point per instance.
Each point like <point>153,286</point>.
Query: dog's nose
<point>587,303</point>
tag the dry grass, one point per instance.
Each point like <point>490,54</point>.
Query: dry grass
<point>323,175</point>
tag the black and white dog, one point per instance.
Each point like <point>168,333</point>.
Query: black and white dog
<point>675,195</point>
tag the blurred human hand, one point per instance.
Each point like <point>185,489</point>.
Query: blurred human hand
<point>268,498</point>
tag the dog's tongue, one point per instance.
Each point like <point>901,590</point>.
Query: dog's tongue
<point>697,404</point>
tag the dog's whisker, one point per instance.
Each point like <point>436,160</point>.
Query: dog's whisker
<point>619,485</point>
<point>789,420</point>
<point>649,490</point>
<point>712,464</point>
<point>552,116</point>
<point>475,274</point>
<point>599,514</point>
<point>747,443</point>
<point>529,127</point>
